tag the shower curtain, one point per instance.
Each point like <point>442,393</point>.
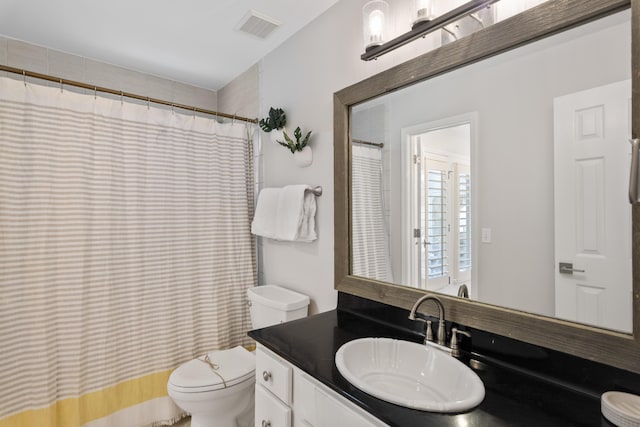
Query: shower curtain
<point>125,250</point>
<point>371,253</point>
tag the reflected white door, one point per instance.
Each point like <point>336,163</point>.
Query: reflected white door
<point>592,212</point>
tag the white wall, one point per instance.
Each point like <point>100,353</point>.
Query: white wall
<point>301,76</point>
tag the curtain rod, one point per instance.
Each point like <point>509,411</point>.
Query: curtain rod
<point>95,88</point>
<point>375,144</point>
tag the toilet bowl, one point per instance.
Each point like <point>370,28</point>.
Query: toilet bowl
<point>217,389</point>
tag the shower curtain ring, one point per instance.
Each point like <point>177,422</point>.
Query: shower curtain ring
<point>121,97</point>
<point>233,120</point>
<point>95,93</point>
<point>194,112</point>
<point>148,103</point>
<point>24,77</point>
<point>60,85</point>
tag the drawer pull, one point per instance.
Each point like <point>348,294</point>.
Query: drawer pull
<point>266,423</point>
<point>266,376</point>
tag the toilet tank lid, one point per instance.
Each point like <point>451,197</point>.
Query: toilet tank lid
<point>277,297</point>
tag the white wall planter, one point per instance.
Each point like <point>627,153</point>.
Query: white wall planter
<point>303,158</point>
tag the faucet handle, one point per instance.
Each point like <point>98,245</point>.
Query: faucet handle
<point>428,332</point>
<point>455,347</point>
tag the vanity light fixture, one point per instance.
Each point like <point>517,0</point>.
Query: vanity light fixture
<point>423,25</point>
<point>374,17</point>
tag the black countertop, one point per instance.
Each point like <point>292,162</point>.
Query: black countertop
<point>513,396</point>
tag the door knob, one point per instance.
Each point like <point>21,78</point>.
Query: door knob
<point>567,268</point>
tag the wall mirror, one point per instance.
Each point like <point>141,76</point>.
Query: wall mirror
<point>495,171</point>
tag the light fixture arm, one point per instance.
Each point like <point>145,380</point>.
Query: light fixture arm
<point>421,29</point>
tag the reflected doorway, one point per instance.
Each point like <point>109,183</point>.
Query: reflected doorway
<point>441,207</point>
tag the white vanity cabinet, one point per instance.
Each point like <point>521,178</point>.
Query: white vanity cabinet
<point>288,397</point>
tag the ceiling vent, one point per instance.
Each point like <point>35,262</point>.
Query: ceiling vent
<point>257,24</point>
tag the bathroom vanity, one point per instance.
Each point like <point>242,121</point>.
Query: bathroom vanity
<point>298,383</point>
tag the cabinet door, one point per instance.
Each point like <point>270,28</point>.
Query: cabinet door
<point>331,412</point>
<point>304,399</point>
<point>315,405</point>
<point>274,374</point>
<point>270,411</point>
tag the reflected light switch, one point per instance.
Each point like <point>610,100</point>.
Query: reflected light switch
<point>486,235</point>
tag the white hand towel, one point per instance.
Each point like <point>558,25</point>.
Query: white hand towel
<point>264,220</point>
<point>307,229</point>
<point>286,214</point>
<point>290,212</point>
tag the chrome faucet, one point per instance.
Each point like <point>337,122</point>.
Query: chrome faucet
<point>441,326</point>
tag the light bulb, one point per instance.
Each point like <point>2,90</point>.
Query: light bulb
<point>376,26</point>
<point>374,15</point>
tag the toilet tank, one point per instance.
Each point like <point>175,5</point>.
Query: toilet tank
<point>271,304</point>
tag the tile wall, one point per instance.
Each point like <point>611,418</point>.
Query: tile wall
<point>22,55</point>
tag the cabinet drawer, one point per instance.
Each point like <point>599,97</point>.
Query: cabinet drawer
<point>270,412</point>
<point>273,374</point>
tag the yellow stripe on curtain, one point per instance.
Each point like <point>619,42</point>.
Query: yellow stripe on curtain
<point>76,411</point>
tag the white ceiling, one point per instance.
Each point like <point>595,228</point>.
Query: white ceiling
<point>191,41</point>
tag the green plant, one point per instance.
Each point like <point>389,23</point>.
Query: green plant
<point>298,145</point>
<point>276,120</point>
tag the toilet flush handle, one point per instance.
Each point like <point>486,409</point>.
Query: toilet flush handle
<point>266,423</point>
<point>266,375</point>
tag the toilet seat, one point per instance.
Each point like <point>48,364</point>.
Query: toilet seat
<point>234,366</point>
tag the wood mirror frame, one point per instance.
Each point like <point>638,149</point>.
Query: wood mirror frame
<point>605,346</point>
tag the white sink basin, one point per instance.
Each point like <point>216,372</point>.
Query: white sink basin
<point>410,375</point>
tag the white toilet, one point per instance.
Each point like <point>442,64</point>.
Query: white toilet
<point>218,389</point>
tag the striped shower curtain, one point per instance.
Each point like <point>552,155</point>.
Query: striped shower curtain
<point>125,250</point>
<point>371,252</point>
